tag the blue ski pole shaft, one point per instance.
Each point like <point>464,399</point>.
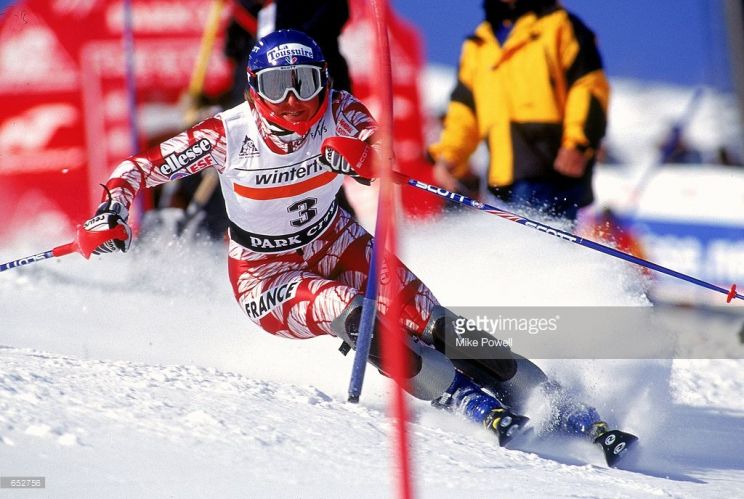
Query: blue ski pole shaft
<point>364,342</point>
<point>665,153</point>
<point>62,250</point>
<point>26,260</point>
<point>567,236</point>
<point>366,322</point>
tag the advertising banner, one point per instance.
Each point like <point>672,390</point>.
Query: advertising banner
<point>408,118</point>
<point>66,114</point>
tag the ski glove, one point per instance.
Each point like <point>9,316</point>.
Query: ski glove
<point>108,216</point>
<point>348,156</point>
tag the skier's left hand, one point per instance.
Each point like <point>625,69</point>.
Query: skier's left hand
<point>347,156</point>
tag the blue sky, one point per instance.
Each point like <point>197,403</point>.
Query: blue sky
<point>678,41</point>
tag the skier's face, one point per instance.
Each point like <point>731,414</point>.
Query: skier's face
<point>293,109</point>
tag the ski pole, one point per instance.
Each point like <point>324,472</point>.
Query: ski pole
<point>85,242</point>
<point>567,236</point>
<point>366,329</point>
<point>675,136</point>
<point>196,85</point>
<point>195,211</point>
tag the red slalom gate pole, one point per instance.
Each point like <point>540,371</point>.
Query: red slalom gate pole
<point>394,358</point>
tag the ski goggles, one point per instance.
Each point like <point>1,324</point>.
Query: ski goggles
<point>274,84</point>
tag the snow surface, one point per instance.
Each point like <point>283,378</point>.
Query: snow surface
<point>138,376</point>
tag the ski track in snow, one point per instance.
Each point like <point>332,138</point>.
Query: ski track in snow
<point>137,376</point>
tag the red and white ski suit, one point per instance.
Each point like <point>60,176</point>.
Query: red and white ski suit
<point>296,259</point>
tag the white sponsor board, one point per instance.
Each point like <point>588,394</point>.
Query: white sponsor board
<point>689,218</point>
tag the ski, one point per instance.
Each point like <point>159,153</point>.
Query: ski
<point>505,424</point>
<point>615,444</point>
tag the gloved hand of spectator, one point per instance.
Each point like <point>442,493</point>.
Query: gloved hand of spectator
<point>108,216</point>
<point>444,178</point>
<point>570,162</point>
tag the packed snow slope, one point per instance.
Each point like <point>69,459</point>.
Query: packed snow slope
<point>137,375</point>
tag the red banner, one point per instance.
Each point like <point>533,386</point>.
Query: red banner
<point>65,121</point>
<point>408,119</point>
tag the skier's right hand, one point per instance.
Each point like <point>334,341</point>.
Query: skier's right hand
<point>348,156</point>
<point>108,216</point>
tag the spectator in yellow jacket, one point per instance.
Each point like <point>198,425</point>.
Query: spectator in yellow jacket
<point>532,86</point>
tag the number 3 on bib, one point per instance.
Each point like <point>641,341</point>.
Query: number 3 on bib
<point>305,209</point>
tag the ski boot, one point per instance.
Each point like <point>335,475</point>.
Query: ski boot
<point>465,397</point>
<point>614,443</point>
<point>581,419</point>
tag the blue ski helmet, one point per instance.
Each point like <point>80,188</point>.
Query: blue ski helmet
<point>286,47</point>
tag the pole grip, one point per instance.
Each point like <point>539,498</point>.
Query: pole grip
<point>87,241</point>
<point>65,249</point>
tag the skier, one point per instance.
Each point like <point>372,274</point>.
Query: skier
<point>298,262</point>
